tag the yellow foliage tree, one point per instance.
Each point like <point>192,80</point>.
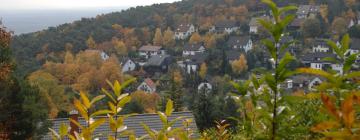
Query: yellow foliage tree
<point>148,101</point>
<point>91,43</point>
<point>210,41</point>
<point>239,65</point>
<point>195,38</point>
<point>168,38</point>
<point>158,38</point>
<point>203,70</point>
<point>120,47</point>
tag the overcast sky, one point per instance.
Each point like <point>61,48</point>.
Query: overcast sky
<point>72,4</point>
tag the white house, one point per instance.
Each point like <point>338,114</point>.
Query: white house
<point>314,82</point>
<point>183,31</point>
<point>240,42</point>
<point>192,49</point>
<point>147,86</point>
<point>225,27</point>
<point>305,11</point>
<point>320,46</point>
<point>148,50</point>
<point>193,62</point>
<point>127,65</point>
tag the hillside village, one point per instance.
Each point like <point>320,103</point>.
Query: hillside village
<point>198,53</point>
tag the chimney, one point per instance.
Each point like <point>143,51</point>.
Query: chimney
<point>74,115</point>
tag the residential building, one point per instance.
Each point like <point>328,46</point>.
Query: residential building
<point>240,42</point>
<point>305,11</point>
<point>127,65</point>
<point>254,24</point>
<point>184,31</point>
<point>148,50</point>
<point>158,64</point>
<point>147,86</point>
<point>193,62</point>
<point>226,26</point>
<point>192,49</point>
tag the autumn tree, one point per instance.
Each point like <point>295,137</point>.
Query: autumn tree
<point>168,39</point>
<point>147,101</point>
<point>203,70</point>
<point>339,26</point>
<point>311,27</point>
<point>91,44</point>
<point>120,48</point>
<point>51,91</point>
<point>210,41</point>
<point>324,11</point>
<point>158,38</point>
<point>195,38</point>
<point>239,65</point>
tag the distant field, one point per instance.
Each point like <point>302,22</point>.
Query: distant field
<point>34,20</point>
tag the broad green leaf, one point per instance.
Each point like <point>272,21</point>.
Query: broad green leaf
<point>122,96</point>
<point>287,8</point>
<point>352,75</point>
<point>163,117</point>
<point>117,88</point>
<point>96,124</point>
<point>79,107</point>
<point>345,42</point>
<point>349,61</point>
<point>271,47</point>
<point>128,82</point>
<point>96,99</point>
<point>100,112</point>
<point>335,48</point>
<point>63,130</point>
<point>124,101</point>
<point>76,123</point>
<point>108,95</point>
<point>149,131</point>
<point>169,108</point>
<point>85,99</point>
<point>287,20</point>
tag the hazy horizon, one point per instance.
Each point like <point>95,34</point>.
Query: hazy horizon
<point>25,16</point>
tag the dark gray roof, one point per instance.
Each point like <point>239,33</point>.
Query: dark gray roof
<point>306,9</point>
<point>238,40</point>
<point>232,55</point>
<point>355,44</point>
<point>296,22</point>
<point>133,123</point>
<point>317,56</point>
<point>196,59</point>
<point>156,60</point>
<point>192,47</point>
<point>321,42</point>
<point>226,24</point>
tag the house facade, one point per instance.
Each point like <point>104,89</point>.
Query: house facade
<point>148,50</point>
<point>184,31</point>
<point>127,65</point>
<point>225,27</point>
<point>240,42</point>
<point>147,86</point>
<point>192,49</point>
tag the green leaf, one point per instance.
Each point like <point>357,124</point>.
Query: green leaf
<point>287,8</point>
<point>117,88</point>
<point>108,95</point>
<point>122,96</point>
<point>352,75</point>
<point>85,99</point>
<point>163,117</point>
<point>63,130</point>
<point>287,20</point>
<point>271,47</point>
<point>96,99</point>
<point>96,124</point>
<point>79,107</point>
<point>345,43</point>
<point>76,123</point>
<point>124,101</point>
<point>127,83</point>
<point>149,131</point>
<point>169,108</point>
<point>349,61</point>
<point>335,48</point>
<point>100,112</point>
